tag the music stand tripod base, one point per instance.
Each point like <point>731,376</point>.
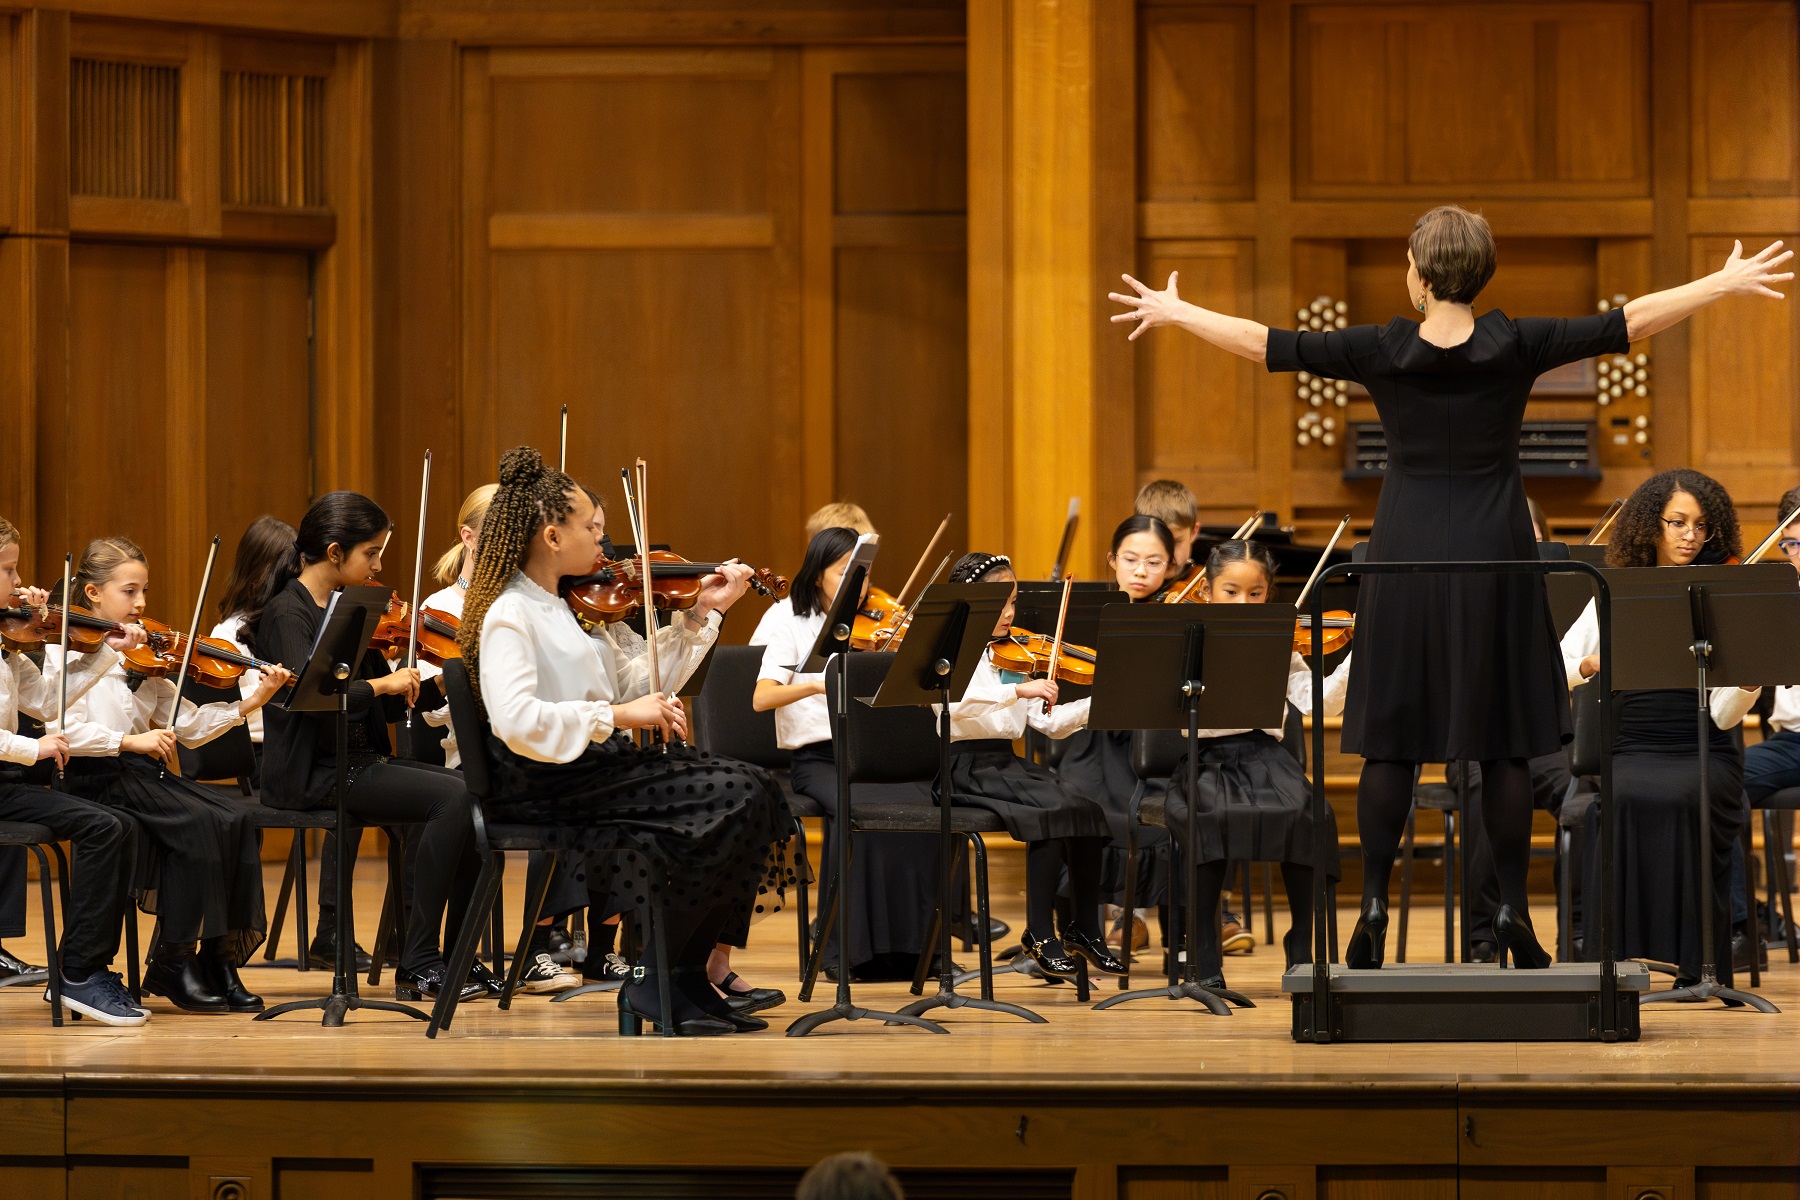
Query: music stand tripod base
<point>1465,1002</point>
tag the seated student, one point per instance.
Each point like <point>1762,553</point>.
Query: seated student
<point>554,697</point>
<point>1675,519</point>
<point>1097,762</point>
<point>893,889</point>
<point>1774,762</point>
<point>102,840</point>
<point>1255,800</point>
<point>1060,826</point>
<point>1175,505</point>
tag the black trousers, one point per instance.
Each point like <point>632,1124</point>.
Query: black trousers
<point>13,878</point>
<point>397,792</point>
<point>102,840</point>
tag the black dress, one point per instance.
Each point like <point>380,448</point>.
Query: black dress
<point>1452,666</point>
<point>1255,804</point>
<point>1656,778</point>
<point>1097,764</point>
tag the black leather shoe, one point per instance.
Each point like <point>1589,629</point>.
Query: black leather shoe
<point>1514,942</point>
<point>12,966</point>
<point>753,1001</point>
<point>426,984</point>
<point>183,984</point>
<point>1481,952</point>
<point>1367,946</point>
<point>322,955</point>
<point>1050,956</point>
<point>1741,953</point>
<point>492,988</point>
<point>222,976</point>
<point>1094,950</point>
<point>998,929</point>
<point>1214,983</point>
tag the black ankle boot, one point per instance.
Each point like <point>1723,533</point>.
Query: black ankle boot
<point>222,976</point>
<point>178,977</point>
<point>1367,947</point>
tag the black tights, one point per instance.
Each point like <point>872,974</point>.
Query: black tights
<point>1384,797</point>
<point>1298,882</point>
<point>690,935</point>
<point>1044,862</point>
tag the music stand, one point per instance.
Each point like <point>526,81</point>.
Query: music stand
<point>834,642</point>
<point>1157,659</point>
<point>950,631</point>
<point>323,685</point>
<point>1706,625</point>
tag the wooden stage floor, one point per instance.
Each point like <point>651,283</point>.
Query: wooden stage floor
<point>1158,1101</point>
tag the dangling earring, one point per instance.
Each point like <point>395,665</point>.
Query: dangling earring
<point>1421,303</point>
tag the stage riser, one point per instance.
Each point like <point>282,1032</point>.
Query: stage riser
<point>1346,1142</point>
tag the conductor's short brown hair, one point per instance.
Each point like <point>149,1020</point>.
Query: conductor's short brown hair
<point>1453,250</point>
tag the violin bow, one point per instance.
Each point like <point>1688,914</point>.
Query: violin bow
<point>639,504</point>
<point>1603,524</point>
<point>924,555</point>
<point>62,682</point>
<point>906,616</point>
<point>1243,531</point>
<point>1068,539</point>
<point>1062,615</point>
<point>562,453</point>
<point>1319,567</point>
<point>187,649</point>
<point>1763,546</point>
<point>412,642</point>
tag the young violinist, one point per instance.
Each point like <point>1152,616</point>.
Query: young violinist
<point>1675,519</point>
<point>1097,762</point>
<point>1175,505</point>
<point>102,840</point>
<point>204,877</point>
<point>1060,826</point>
<point>1774,762</point>
<point>554,696</point>
<point>262,554</point>
<point>339,544</point>
<point>893,888</point>
<point>1255,799</point>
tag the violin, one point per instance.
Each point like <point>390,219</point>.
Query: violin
<point>878,621</point>
<point>1338,626</point>
<point>1029,654</point>
<point>614,592</point>
<point>215,662</point>
<point>437,632</point>
<point>23,629</point>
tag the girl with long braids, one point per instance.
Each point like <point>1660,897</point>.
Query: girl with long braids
<point>554,696</point>
<point>1675,519</point>
<point>339,545</point>
<point>202,874</point>
<point>1060,826</point>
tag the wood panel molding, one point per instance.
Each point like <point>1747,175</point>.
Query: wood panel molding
<point>629,231</point>
<point>536,22</point>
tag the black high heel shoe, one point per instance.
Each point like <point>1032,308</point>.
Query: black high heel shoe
<point>1094,950</point>
<point>1515,940</point>
<point>633,1016</point>
<point>1367,947</point>
<point>1051,958</point>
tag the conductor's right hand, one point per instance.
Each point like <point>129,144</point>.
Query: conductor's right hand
<point>658,710</point>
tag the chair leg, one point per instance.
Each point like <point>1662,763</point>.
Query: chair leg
<point>281,904</point>
<point>986,937</point>
<point>1750,930</point>
<point>827,922</point>
<point>1779,881</point>
<point>133,958</point>
<point>496,938</point>
<point>462,957</point>
<point>534,910</point>
<point>1128,924</point>
<point>385,934</point>
<point>1449,886</point>
<point>1268,874</point>
<point>1406,865</point>
<point>804,917</point>
<point>1564,910</point>
<point>1331,924</point>
<point>303,903</point>
<point>52,955</point>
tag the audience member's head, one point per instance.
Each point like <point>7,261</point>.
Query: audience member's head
<point>855,1175</point>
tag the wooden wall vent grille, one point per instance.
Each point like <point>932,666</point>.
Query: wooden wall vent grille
<point>272,151</point>
<point>124,129</point>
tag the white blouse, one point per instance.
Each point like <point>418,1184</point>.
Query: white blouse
<point>786,639</point>
<point>110,712</point>
<point>993,709</point>
<point>549,687</point>
<point>445,600</point>
<point>25,688</point>
<point>231,629</point>
<point>1728,704</point>
<point>1785,716</point>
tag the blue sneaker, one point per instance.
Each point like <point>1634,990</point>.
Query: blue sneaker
<point>103,997</point>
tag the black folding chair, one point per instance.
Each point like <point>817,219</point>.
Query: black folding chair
<point>34,838</point>
<point>725,724</point>
<point>492,841</point>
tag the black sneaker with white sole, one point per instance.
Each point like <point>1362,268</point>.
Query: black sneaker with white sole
<point>103,997</point>
<point>544,975</point>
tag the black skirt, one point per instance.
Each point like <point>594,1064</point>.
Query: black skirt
<point>1255,805</point>
<point>1097,764</point>
<point>199,862</point>
<point>714,827</point>
<point>1030,800</point>
<point>893,888</point>
<point>1657,878</point>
